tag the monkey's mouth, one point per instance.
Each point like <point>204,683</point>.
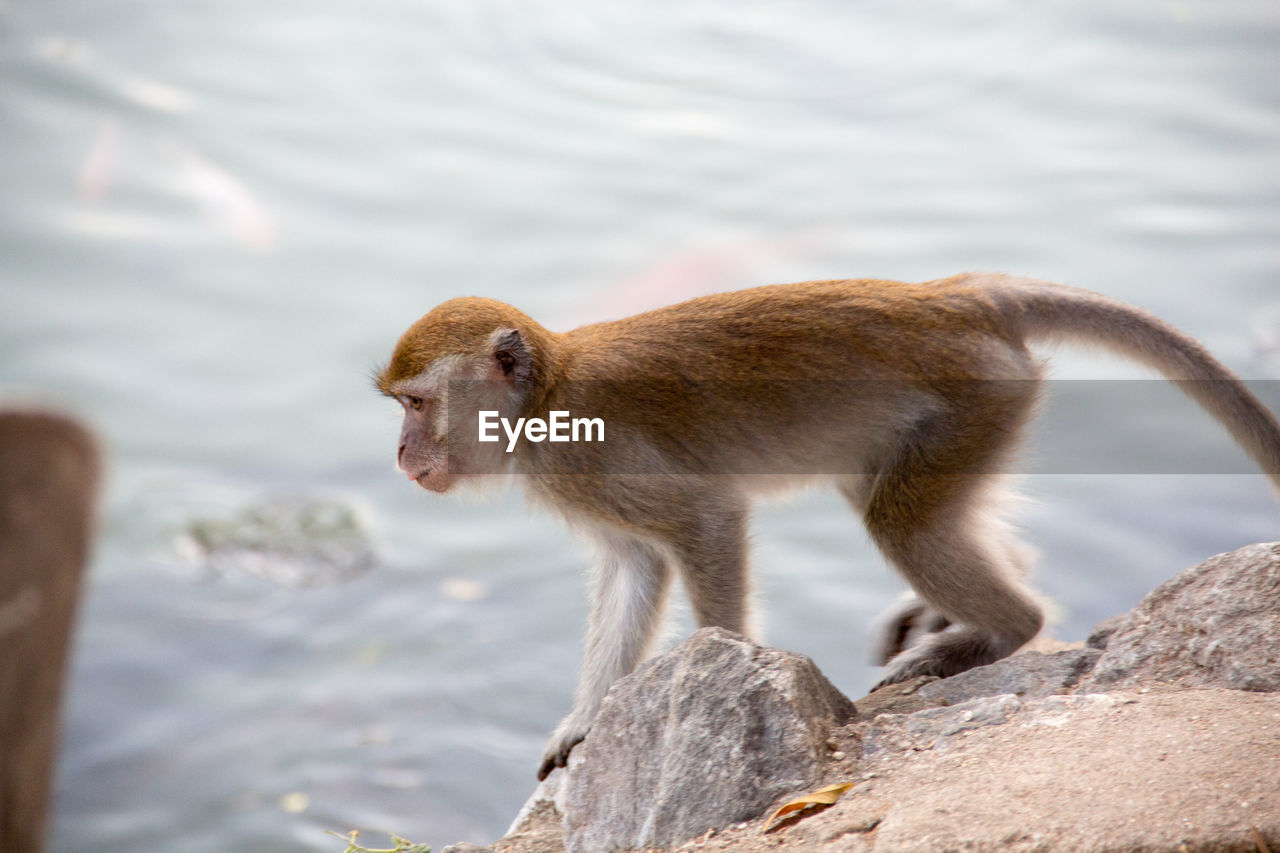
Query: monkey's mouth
<point>434,480</point>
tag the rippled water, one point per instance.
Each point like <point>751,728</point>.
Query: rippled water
<point>218,216</point>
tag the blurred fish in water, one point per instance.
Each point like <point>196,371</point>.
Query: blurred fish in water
<point>699,271</point>
<point>101,166</point>
<point>153,94</point>
<point>1266,339</point>
<point>225,198</point>
<point>132,88</point>
<point>63,49</point>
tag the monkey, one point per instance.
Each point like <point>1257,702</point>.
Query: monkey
<point>909,399</point>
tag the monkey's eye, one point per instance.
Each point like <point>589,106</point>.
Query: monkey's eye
<point>415,403</point>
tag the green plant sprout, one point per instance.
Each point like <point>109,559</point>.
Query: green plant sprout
<point>402,845</point>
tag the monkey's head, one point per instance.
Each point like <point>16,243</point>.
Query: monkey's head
<point>467,355</point>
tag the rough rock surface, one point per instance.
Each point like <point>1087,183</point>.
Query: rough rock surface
<point>1214,625</point>
<point>1030,676</point>
<point>1012,757</point>
<point>936,727</point>
<point>1126,771</point>
<point>1104,630</point>
<point>704,736</point>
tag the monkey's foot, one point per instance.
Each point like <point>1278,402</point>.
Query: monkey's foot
<point>947,653</point>
<point>906,623</point>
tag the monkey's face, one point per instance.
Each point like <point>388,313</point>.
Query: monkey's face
<point>423,452</point>
<point>433,450</point>
<point>442,396</point>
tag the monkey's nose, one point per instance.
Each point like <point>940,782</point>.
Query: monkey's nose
<point>400,456</point>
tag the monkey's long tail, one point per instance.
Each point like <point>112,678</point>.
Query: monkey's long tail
<point>1048,311</point>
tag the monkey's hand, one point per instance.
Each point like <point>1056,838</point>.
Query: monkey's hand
<point>567,735</point>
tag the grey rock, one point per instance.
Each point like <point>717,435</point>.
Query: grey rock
<point>1103,631</point>
<point>539,829</point>
<point>1029,675</point>
<point>900,698</point>
<point>547,793</point>
<point>1214,625</point>
<point>709,734</point>
<point>935,727</point>
<point>293,542</point>
<point>465,847</point>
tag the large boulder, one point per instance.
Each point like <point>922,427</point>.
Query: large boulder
<point>1163,733</point>
<point>1214,625</point>
<point>707,735</point>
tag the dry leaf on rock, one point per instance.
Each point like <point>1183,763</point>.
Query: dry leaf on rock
<point>821,797</point>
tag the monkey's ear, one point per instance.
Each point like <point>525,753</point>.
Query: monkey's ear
<point>512,358</point>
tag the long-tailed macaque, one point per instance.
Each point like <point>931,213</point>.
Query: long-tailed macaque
<point>908,398</point>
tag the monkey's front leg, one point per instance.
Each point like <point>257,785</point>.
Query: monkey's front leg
<point>628,588</point>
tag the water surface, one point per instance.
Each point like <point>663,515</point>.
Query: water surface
<point>218,216</point>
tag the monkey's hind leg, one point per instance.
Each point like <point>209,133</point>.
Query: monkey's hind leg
<point>931,513</point>
<point>910,620</point>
